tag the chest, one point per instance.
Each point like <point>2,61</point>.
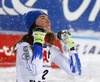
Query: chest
<point>47,56</point>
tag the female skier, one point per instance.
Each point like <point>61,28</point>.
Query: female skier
<point>36,52</point>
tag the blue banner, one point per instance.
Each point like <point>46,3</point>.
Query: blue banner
<point>63,14</point>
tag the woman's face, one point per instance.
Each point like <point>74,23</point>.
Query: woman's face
<point>44,22</point>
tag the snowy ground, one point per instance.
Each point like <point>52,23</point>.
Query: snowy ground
<point>90,73</point>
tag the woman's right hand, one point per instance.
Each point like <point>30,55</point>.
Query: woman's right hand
<point>39,34</point>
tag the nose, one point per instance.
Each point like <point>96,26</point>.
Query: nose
<point>47,19</point>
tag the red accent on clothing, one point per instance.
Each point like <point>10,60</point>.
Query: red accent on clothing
<point>45,56</point>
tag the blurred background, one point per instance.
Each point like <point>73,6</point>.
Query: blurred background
<point>80,17</point>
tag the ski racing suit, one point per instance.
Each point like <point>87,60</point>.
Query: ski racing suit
<point>31,68</point>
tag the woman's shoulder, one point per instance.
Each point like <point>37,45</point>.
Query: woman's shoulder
<point>53,47</point>
<point>21,44</point>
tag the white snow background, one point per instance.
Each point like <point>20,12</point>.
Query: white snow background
<point>90,66</point>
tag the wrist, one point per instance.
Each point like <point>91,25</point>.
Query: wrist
<point>38,44</point>
<point>73,48</point>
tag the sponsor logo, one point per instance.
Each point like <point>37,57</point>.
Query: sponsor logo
<point>7,51</point>
<point>18,7</point>
<point>88,49</point>
<point>72,16</point>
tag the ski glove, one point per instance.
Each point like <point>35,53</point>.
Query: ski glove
<point>65,37</point>
<point>39,34</point>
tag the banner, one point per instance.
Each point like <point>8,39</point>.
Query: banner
<point>7,41</point>
<point>64,14</point>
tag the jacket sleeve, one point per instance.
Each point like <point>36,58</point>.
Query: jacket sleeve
<point>35,63</point>
<point>63,62</point>
<point>33,59</point>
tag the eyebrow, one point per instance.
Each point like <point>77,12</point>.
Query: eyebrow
<point>44,16</point>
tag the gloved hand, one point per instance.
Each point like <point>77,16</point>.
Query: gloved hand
<point>65,37</point>
<point>39,34</point>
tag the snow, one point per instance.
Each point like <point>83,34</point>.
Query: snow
<point>90,73</point>
<point>87,33</point>
<point>8,74</point>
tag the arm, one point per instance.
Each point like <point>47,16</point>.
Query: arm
<point>35,64</point>
<point>62,61</point>
<point>65,37</point>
